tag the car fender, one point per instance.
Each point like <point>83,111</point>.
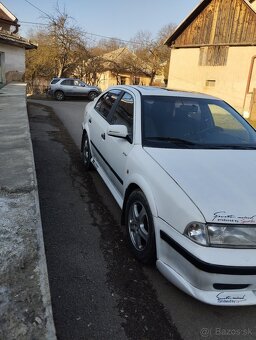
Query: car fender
<point>85,125</point>
<point>139,181</point>
<point>166,198</point>
<point>86,130</point>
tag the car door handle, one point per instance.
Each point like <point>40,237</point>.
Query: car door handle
<point>90,120</point>
<point>103,136</point>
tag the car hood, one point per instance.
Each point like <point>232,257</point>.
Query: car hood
<point>221,183</point>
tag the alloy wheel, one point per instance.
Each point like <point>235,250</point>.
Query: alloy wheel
<point>138,226</point>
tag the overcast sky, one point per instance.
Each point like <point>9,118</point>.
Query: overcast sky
<point>113,18</point>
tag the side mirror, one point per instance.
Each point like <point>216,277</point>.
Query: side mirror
<point>119,131</point>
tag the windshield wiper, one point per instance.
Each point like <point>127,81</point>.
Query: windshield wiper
<point>171,139</point>
<point>176,141</point>
<point>187,143</point>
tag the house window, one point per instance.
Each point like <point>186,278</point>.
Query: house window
<point>213,56</point>
<point>210,83</point>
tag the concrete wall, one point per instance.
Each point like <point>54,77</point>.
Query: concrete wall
<point>13,65</point>
<point>25,302</point>
<point>230,80</point>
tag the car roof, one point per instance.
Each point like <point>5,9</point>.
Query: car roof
<point>66,78</point>
<point>158,91</point>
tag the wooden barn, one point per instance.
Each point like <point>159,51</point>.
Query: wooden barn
<point>214,51</point>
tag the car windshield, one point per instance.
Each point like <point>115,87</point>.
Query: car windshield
<point>55,80</point>
<point>184,122</point>
<point>81,83</point>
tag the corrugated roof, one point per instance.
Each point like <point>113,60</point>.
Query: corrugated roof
<point>13,39</point>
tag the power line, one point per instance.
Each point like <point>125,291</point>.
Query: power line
<point>86,33</point>
<point>106,37</point>
<point>93,34</point>
<point>38,8</point>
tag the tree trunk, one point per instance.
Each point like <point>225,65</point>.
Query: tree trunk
<point>152,77</point>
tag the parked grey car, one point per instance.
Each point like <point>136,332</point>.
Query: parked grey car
<point>69,87</point>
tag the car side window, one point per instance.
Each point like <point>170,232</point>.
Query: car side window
<point>224,121</point>
<point>67,82</point>
<point>124,112</point>
<point>106,102</point>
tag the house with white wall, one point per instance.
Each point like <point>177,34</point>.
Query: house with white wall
<point>214,51</point>
<point>12,48</point>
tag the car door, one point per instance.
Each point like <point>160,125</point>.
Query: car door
<point>67,87</point>
<point>119,148</point>
<point>80,88</point>
<point>98,124</point>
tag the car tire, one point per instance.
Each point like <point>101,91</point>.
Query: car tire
<point>92,95</point>
<point>59,95</point>
<point>140,228</point>
<point>86,152</point>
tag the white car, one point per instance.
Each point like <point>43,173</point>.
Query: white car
<point>182,167</point>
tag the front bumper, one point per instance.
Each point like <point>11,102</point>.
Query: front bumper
<point>217,276</point>
<point>241,297</point>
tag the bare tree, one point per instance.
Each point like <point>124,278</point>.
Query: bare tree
<point>92,69</point>
<point>39,62</point>
<point>154,55</point>
<point>67,41</point>
<point>109,45</point>
<point>63,51</point>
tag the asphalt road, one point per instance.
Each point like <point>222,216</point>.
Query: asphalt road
<point>98,290</point>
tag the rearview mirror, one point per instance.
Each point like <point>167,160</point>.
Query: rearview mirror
<point>118,131</point>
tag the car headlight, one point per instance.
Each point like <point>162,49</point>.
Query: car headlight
<point>218,235</point>
<point>197,232</point>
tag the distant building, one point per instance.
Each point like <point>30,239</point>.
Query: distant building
<point>117,73</point>
<point>214,51</point>
<point>123,67</point>
<point>12,48</point>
